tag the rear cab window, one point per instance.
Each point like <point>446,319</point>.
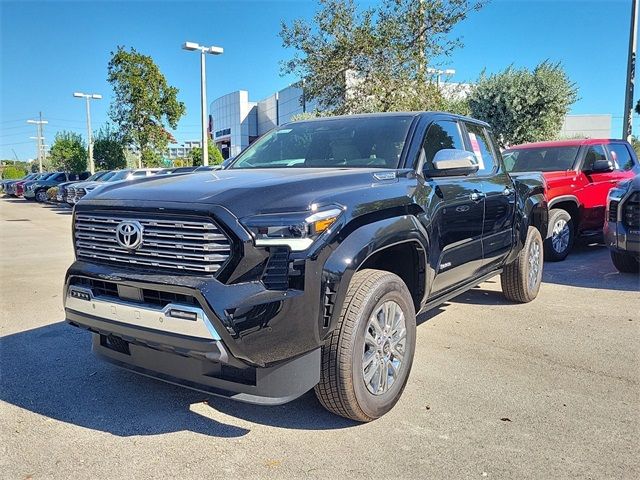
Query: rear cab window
<point>481,145</point>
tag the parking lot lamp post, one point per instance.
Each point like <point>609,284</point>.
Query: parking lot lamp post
<point>192,46</point>
<point>88,97</point>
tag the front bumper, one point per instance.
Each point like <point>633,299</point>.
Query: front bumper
<point>187,351</point>
<point>622,239</point>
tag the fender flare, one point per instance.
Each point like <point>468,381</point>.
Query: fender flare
<point>532,212</point>
<point>354,251</point>
<point>565,198</point>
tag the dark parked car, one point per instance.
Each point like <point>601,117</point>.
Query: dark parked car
<point>21,187</point>
<point>38,189</point>
<point>9,186</point>
<point>622,227</point>
<point>302,264</point>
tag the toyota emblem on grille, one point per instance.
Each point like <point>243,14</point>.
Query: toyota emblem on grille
<point>129,234</point>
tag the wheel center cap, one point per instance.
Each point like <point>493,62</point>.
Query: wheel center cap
<point>386,348</point>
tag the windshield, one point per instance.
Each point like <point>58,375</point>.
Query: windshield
<point>356,142</point>
<point>95,176</point>
<point>119,175</point>
<point>106,176</point>
<point>547,159</point>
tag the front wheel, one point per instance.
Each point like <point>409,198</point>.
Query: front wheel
<point>521,278</point>
<point>367,358</point>
<point>624,262</point>
<point>41,196</point>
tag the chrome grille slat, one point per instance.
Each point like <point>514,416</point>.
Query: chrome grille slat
<point>178,245</point>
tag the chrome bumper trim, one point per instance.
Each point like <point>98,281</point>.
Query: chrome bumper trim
<point>142,315</point>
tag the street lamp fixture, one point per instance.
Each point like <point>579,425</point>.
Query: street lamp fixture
<point>449,72</point>
<point>88,97</point>
<point>211,50</point>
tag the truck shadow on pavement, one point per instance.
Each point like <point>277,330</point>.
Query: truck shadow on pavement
<point>590,266</point>
<point>51,371</point>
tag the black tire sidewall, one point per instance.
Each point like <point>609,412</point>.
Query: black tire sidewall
<point>375,406</point>
<point>40,196</point>
<point>550,252</point>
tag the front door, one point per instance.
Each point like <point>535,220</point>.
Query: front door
<point>456,207</point>
<point>595,186</point>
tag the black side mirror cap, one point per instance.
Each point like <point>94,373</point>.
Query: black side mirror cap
<point>601,166</point>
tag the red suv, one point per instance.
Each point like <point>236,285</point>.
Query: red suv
<point>579,175</point>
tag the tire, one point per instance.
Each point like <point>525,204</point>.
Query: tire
<point>521,278</point>
<point>625,263</point>
<point>560,235</point>
<point>342,388</point>
<point>41,196</point>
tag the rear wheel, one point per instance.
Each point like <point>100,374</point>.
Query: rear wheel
<point>367,359</point>
<point>521,278</point>
<point>560,235</point>
<point>625,263</point>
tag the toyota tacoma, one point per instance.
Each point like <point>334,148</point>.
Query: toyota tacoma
<point>302,265</point>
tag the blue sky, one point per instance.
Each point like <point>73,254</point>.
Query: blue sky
<point>51,49</point>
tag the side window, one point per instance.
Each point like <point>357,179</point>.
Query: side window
<point>620,156</point>
<point>61,177</point>
<point>441,135</point>
<point>482,147</point>
<point>594,153</point>
<point>139,174</point>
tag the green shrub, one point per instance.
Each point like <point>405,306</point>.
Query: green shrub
<point>51,193</point>
<point>10,172</point>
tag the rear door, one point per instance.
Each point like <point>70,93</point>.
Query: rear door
<point>456,210</point>
<point>497,186</point>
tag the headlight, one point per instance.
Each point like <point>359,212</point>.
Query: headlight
<point>297,231</point>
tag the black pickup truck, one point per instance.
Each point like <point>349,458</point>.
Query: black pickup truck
<point>304,262</point>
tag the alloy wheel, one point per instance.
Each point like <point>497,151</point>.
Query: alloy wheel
<point>384,347</point>
<point>535,260</point>
<point>560,235</point>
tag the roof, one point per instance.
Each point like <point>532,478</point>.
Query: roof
<point>566,143</point>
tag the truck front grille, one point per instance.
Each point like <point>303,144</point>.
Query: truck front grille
<point>613,210</point>
<point>631,211</point>
<point>168,243</point>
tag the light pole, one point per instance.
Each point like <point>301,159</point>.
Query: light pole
<point>39,138</point>
<point>192,46</point>
<point>88,97</point>
<point>450,72</point>
<point>627,124</point>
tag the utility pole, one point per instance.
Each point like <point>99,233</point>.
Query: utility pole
<point>191,46</point>
<point>631,73</point>
<point>39,138</point>
<point>88,97</point>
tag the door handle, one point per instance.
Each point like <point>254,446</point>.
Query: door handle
<point>476,196</point>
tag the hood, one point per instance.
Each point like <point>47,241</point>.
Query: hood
<point>86,184</point>
<point>248,192</point>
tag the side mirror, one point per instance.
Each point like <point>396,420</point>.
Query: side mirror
<point>453,162</point>
<point>601,166</point>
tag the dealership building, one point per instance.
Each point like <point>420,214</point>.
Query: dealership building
<point>236,121</point>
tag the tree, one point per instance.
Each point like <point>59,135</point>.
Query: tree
<point>143,102</point>
<point>376,59</point>
<point>215,155</point>
<point>11,171</point>
<point>638,107</point>
<point>68,152</point>
<point>108,149</point>
<point>524,106</point>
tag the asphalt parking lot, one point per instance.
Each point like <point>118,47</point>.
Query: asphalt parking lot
<point>545,390</point>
